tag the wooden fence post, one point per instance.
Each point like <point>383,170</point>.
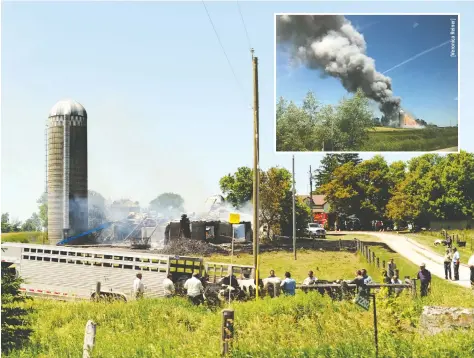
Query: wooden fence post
<point>89,339</point>
<point>227,331</point>
<point>373,257</point>
<point>97,291</point>
<point>413,287</point>
<point>383,264</point>
<point>370,254</point>
<point>378,262</point>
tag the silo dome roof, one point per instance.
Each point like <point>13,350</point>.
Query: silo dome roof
<point>68,107</point>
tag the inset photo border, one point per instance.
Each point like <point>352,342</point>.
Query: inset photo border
<point>367,82</point>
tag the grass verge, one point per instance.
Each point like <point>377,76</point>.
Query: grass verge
<point>33,237</point>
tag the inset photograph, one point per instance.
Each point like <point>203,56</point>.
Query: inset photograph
<point>354,83</point>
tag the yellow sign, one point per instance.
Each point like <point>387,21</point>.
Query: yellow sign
<point>234,218</point>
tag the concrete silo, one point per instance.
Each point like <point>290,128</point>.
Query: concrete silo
<point>401,119</point>
<point>67,170</point>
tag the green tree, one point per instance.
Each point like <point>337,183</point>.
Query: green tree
<point>43,209</point>
<point>274,185</point>
<point>32,224</point>
<point>238,187</point>
<point>16,325</point>
<point>373,187</point>
<point>168,202</point>
<point>413,198</point>
<point>295,126</point>
<point>302,213</point>
<point>354,119</point>
<point>312,127</point>
<point>456,178</point>
<point>6,222</point>
<point>341,192</point>
<point>396,174</point>
<point>329,163</point>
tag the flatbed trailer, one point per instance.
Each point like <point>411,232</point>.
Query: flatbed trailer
<point>71,273</point>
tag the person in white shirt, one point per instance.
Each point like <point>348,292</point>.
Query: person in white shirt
<point>470,263</point>
<point>168,286</point>
<point>397,281</point>
<point>310,280</point>
<point>194,289</point>
<point>138,287</point>
<point>456,263</point>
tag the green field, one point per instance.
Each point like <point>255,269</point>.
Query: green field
<point>307,325</point>
<point>25,237</point>
<point>402,139</point>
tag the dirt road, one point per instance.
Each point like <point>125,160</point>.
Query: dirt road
<point>417,254</point>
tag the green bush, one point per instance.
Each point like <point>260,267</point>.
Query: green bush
<point>15,316</point>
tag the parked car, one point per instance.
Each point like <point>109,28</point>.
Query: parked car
<point>316,230</point>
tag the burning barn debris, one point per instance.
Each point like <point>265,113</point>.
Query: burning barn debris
<point>148,230</point>
<point>330,43</point>
<point>215,231</point>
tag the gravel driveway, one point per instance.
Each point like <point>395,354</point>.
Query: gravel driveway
<point>417,254</point>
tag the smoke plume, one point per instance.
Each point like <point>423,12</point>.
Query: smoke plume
<point>330,43</point>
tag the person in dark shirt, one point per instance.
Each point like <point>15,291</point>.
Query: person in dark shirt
<point>391,268</point>
<point>425,279</point>
<point>272,274</point>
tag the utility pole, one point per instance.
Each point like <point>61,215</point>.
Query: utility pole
<point>311,186</point>
<point>256,169</point>
<point>294,210</point>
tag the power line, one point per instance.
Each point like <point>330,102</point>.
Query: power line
<point>223,50</point>
<point>245,27</point>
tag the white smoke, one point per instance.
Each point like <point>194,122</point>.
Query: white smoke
<point>330,43</point>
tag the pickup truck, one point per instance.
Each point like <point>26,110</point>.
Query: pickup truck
<point>316,230</point>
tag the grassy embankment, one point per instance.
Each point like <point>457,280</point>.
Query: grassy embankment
<point>428,238</point>
<point>306,325</point>
<point>401,139</point>
<point>25,237</point>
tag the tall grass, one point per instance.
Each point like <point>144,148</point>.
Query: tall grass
<point>307,325</point>
<point>426,139</point>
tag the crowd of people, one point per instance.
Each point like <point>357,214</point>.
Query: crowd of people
<point>195,289</point>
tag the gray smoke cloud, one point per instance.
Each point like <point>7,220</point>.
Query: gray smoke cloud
<point>330,43</point>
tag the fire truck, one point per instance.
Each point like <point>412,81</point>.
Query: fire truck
<point>72,273</point>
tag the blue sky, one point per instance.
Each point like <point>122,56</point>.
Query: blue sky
<point>164,110</point>
<point>428,85</point>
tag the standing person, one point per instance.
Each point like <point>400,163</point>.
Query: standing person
<point>194,289</point>
<point>470,263</point>
<point>168,286</point>
<point>272,274</point>
<point>366,277</point>
<point>288,285</point>
<point>447,264</point>
<point>425,279</point>
<point>391,268</point>
<point>386,277</point>
<point>456,263</point>
<point>138,287</point>
<point>396,280</point>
